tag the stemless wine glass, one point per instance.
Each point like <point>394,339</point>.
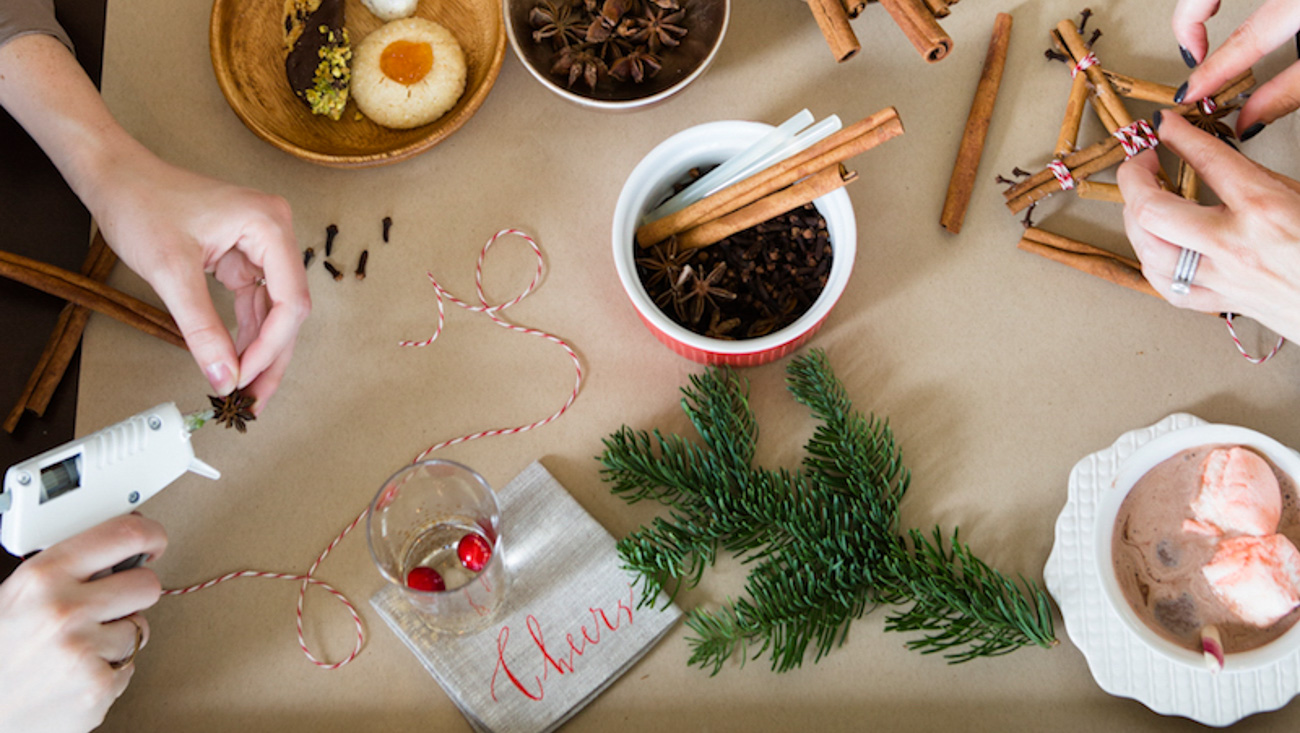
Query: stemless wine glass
<point>435,531</point>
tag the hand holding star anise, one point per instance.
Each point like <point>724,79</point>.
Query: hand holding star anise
<point>234,410</point>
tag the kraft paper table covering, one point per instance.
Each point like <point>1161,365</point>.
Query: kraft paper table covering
<point>998,370</point>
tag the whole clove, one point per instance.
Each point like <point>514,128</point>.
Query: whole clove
<point>333,271</point>
<point>308,255</point>
<point>331,231</point>
<point>361,264</point>
<point>388,224</point>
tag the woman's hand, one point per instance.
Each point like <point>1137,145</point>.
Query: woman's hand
<point>1249,244</point>
<point>60,631</point>
<point>1273,24</point>
<point>169,225</point>
<point>172,226</point>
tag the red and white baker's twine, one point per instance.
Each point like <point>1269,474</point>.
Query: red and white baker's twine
<point>1084,63</point>
<point>492,311</point>
<point>1208,105</point>
<point>1252,359</point>
<point>1136,137</point>
<point>1062,173</point>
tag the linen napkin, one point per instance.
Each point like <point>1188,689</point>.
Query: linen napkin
<point>569,625</point>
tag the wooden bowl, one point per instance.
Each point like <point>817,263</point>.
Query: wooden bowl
<point>247,45</point>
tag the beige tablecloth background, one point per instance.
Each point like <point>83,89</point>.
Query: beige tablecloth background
<point>997,369</point>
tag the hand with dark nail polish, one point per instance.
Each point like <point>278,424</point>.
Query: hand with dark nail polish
<point>1246,239</point>
<point>1271,26</point>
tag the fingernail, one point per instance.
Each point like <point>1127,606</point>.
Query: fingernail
<point>1252,131</point>
<point>1188,58</point>
<point>1182,92</point>
<point>1156,119</point>
<point>221,377</point>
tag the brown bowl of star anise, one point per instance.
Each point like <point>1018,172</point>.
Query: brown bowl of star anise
<point>616,54</point>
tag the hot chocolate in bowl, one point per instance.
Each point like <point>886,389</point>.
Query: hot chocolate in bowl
<point>1183,614</point>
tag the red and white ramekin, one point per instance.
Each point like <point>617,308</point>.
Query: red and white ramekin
<point>652,181</point>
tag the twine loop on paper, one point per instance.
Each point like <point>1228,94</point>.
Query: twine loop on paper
<point>308,579</point>
<point>1083,65</point>
<point>1062,173</point>
<point>1227,318</point>
<point>1136,137</point>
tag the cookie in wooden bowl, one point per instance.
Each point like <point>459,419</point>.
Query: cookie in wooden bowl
<point>247,42</point>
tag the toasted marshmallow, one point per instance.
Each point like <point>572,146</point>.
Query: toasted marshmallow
<point>1239,495</point>
<point>1257,578</point>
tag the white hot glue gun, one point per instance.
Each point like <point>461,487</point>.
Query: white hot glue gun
<point>76,486</point>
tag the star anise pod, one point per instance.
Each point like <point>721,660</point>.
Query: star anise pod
<point>1213,122</point>
<point>234,410</point>
<point>658,28</point>
<point>638,65</point>
<point>699,293</point>
<point>664,263</point>
<point>579,63</point>
<point>556,22</point>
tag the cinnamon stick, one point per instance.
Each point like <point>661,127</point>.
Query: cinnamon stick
<point>1072,161</point>
<point>1189,185</point>
<point>962,183</point>
<point>854,8</point>
<point>1237,86</point>
<point>1107,119</point>
<point>919,25</point>
<point>1068,138</point>
<point>939,8</point>
<point>1067,37</point>
<point>1087,258</point>
<point>1140,89</point>
<point>852,140</point>
<point>819,184</point>
<point>1099,191</point>
<point>1113,155</point>
<point>833,19</point>
<point>63,341</point>
<point>96,296</point>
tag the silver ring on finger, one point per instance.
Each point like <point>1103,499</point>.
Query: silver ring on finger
<point>1185,271</point>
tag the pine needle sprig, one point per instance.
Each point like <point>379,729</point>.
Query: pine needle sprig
<point>960,601</point>
<point>823,543</point>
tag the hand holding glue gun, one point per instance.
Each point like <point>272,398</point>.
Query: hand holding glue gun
<point>70,628</point>
<point>78,485</point>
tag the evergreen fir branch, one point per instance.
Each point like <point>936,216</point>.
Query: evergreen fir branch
<point>667,555</point>
<point>717,404</point>
<point>961,602</point>
<point>823,543</point>
<point>668,469</point>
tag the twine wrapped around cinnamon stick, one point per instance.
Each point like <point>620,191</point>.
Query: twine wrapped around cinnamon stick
<point>1084,257</point>
<point>852,140</point>
<point>962,182</point>
<point>1096,157</point>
